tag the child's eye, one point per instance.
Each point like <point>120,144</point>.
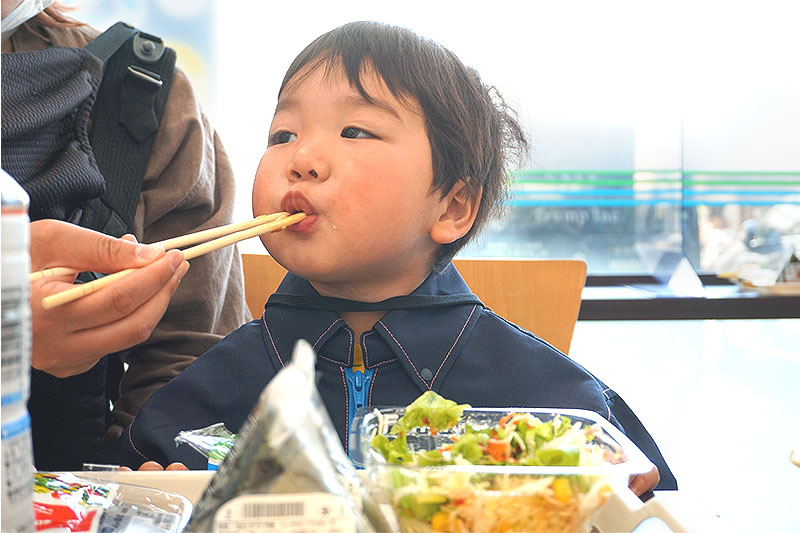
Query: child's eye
<point>281,137</point>
<point>351,132</point>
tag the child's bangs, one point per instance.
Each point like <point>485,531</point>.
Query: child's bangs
<point>362,50</point>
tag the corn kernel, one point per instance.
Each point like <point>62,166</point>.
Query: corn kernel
<point>561,490</point>
<point>440,522</point>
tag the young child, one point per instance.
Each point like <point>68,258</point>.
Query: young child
<point>396,151</point>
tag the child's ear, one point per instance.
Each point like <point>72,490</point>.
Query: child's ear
<point>459,209</point>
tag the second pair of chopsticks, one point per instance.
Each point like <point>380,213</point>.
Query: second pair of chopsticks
<point>233,233</point>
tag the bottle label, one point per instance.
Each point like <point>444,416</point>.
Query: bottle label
<point>287,513</point>
<point>15,363</point>
<point>17,470</point>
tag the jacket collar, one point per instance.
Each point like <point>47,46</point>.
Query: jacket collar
<point>425,342</point>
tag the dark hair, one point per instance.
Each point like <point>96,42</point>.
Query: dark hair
<point>471,130</point>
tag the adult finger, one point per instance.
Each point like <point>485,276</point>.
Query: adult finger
<point>63,345</point>
<point>122,297</point>
<point>641,483</point>
<point>151,466</point>
<point>56,243</point>
<point>128,331</point>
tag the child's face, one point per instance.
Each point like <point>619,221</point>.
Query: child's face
<point>363,173</point>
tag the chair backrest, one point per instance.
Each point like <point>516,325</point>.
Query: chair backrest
<point>540,295</point>
<point>262,275</point>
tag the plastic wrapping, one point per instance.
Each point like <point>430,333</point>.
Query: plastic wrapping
<point>213,442</point>
<point>287,470</point>
<point>66,503</point>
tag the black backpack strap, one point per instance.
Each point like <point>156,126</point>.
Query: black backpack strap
<point>125,118</point>
<point>107,43</point>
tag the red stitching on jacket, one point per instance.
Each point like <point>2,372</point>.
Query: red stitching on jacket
<point>372,385</point>
<point>366,356</point>
<point>271,340</point>
<point>454,344</point>
<point>334,361</point>
<point>404,353</point>
<point>364,347</point>
<point>327,330</point>
<point>269,334</point>
<point>130,440</point>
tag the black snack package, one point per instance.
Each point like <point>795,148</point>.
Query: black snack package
<point>287,470</point>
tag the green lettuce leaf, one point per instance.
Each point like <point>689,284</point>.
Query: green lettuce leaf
<point>468,447</point>
<point>395,451</point>
<point>557,457</point>
<point>430,410</point>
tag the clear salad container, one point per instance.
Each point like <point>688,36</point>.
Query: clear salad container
<point>496,469</point>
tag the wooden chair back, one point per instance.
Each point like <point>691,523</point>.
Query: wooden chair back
<point>540,295</point>
<point>262,275</point>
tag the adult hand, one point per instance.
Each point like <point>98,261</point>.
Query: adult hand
<point>641,483</point>
<point>71,338</point>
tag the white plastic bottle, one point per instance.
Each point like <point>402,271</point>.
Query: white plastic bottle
<point>16,446</point>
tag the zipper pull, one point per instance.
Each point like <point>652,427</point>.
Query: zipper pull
<point>358,384</point>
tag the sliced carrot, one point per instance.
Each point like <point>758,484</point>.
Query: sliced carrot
<point>499,449</point>
<point>503,421</point>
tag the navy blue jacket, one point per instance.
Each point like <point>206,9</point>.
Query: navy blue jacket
<point>464,352</point>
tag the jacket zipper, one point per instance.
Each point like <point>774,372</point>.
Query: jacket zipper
<point>358,395</point>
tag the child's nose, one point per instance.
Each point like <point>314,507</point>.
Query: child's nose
<point>306,165</point>
<point>310,174</point>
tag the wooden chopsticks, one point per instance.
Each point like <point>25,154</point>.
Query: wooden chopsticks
<point>169,244</point>
<point>222,236</point>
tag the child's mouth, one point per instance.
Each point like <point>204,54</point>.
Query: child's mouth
<point>304,226</point>
<point>295,202</point>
